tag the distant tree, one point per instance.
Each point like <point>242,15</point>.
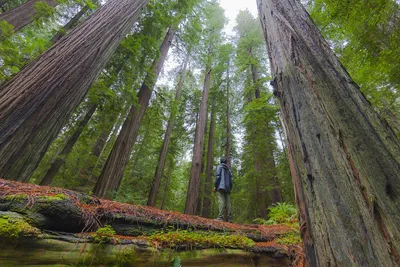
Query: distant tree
<point>163,153</point>
<point>213,26</point>
<point>112,173</point>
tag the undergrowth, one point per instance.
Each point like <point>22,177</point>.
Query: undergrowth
<point>199,239</point>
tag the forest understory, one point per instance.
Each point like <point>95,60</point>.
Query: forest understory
<point>33,217</point>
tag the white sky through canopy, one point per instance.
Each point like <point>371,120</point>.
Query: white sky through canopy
<point>232,8</point>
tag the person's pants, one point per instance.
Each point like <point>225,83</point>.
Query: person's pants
<point>224,202</point>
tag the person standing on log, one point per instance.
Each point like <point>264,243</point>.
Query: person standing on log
<point>223,186</point>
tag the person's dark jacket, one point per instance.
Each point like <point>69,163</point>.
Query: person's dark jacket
<point>223,179</point>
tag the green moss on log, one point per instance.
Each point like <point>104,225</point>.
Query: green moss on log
<point>187,240</point>
<point>14,227</point>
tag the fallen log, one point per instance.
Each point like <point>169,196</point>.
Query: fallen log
<point>47,215</point>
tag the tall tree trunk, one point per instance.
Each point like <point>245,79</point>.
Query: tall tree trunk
<point>259,158</point>
<point>210,162</point>
<point>35,103</point>
<point>345,161</point>
<point>113,170</point>
<point>163,153</point>
<point>200,197</point>
<point>70,25</point>
<point>107,146</point>
<point>164,196</point>
<point>24,14</point>
<point>56,165</point>
<point>274,191</point>
<point>87,173</point>
<point>228,120</point>
<point>194,182</point>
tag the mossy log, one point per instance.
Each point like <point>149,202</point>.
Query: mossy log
<point>69,227</point>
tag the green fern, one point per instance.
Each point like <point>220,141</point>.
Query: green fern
<point>176,262</point>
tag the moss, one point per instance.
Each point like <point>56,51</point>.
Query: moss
<point>58,197</point>
<point>104,234</point>
<point>13,227</point>
<point>289,238</point>
<point>16,198</point>
<point>104,255</point>
<point>200,239</point>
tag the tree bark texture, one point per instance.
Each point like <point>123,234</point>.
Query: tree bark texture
<point>345,161</point>
<point>112,172</point>
<point>24,14</point>
<point>70,25</point>
<point>163,153</point>
<point>200,197</point>
<point>59,161</point>
<point>194,182</point>
<point>37,101</point>
<point>210,162</point>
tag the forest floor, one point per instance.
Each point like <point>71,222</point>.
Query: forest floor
<point>41,212</point>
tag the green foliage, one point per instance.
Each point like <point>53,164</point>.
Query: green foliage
<point>176,262</point>
<point>6,29</point>
<point>282,213</point>
<point>200,239</point>
<point>104,234</point>
<point>43,11</point>
<point>290,238</point>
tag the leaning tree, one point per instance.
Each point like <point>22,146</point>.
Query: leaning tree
<point>345,160</point>
<point>37,101</point>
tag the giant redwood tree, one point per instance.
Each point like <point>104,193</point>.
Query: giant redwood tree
<point>345,161</point>
<point>112,173</point>
<point>37,101</point>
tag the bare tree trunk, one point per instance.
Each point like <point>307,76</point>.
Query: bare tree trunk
<point>228,123</point>
<point>163,153</point>
<point>70,25</point>
<point>24,14</point>
<point>194,182</point>
<point>210,162</point>
<point>274,191</point>
<point>87,173</point>
<point>113,170</point>
<point>345,161</point>
<point>56,165</point>
<point>35,103</point>
<point>164,196</point>
<point>200,197</point>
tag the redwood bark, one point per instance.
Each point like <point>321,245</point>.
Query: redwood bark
<point>56,165</point>
<point>210,162</point>
<point>35,103</point>
<point>24,14</point>
<point>70,25</point>
<point>345,161</point>
<point>194,182</point>
<point>112,173</point>
<point>163,153</point>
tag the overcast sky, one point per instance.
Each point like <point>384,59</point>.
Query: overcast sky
<point>232,8</point>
